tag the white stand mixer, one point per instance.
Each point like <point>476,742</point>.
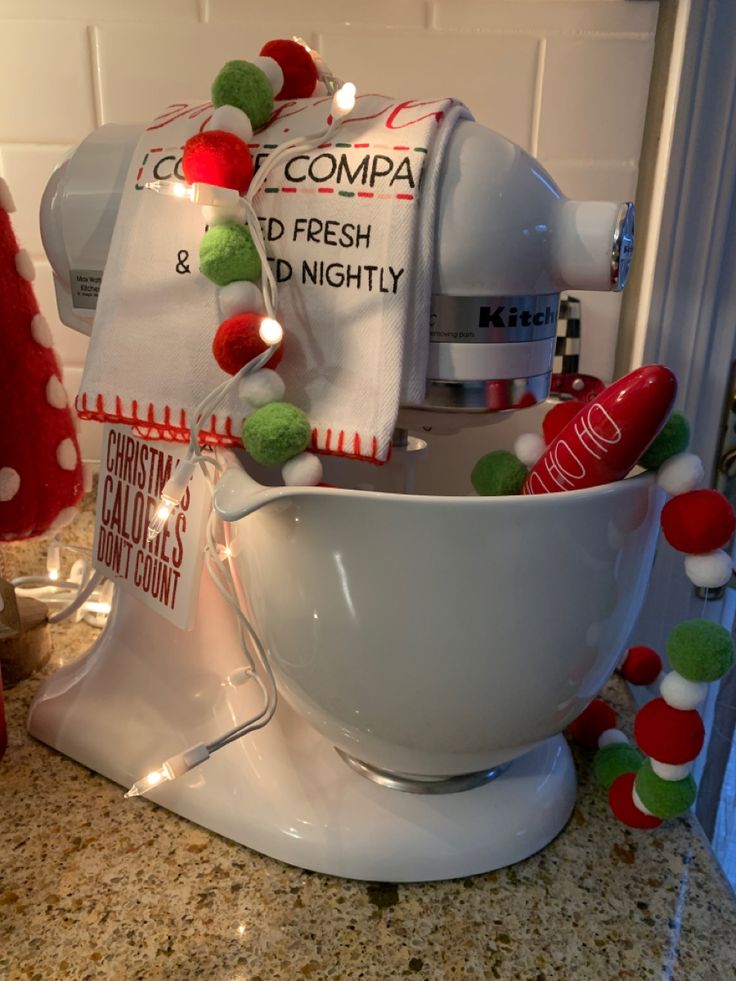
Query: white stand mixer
<point>428,650</point>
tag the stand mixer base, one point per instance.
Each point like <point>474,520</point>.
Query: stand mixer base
<point>147,690</point>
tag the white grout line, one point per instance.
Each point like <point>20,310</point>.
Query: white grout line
<point>537,107</point>
<point>95,70</point>
<point>203,11</point>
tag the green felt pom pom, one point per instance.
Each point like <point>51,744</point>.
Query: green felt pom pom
<point>241,84</point>
<point>276,432</point>
<point>700,651</point>
<point>498,473</point>
<point>664,798</point>
<point>611,761</point>
<point>674,437</point>
<point>227,254</point>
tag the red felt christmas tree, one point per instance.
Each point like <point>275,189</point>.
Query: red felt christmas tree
<point>40,467</point>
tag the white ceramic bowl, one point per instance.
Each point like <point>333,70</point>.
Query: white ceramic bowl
<point>440,635</point>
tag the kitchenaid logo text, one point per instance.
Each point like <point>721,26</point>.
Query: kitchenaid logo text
<point>563,467</point>
<point>516,317</point>
<point>134,475</point>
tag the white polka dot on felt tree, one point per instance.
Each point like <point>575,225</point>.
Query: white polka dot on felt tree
<point>41,332</point>
<point>56,393</point>
<point>66,454</point>
<point>9,483</point>
<point>24,266</point>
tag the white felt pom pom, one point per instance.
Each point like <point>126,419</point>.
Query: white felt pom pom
<point>231,120</point>
<point>304,470</point>
<point>272,70</point>
<point>240,297</point>
<point>681,693</point>
<point>611,736</point>
<point>214,214</point>
<point>262,387</point>
<point>681,474</point>
<point>638,804</point>
<point>671,771</point>
<point>710,570</point>
<point>529,447</point>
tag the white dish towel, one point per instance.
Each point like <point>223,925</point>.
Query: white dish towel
<point>350,231</point>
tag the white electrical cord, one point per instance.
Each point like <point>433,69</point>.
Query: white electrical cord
<point>72,594</point>
<point>173,491</point>
<point>181,763</point>
<point>82,596</point>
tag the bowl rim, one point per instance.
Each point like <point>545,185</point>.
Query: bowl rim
<point>645,479</point>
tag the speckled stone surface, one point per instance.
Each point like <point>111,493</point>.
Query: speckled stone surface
<point>94,887</point>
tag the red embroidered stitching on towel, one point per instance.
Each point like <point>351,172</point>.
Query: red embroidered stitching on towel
<point>332,443</point>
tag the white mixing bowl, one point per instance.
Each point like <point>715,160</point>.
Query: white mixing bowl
<point>436,636</point>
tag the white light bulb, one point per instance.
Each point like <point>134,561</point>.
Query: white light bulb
<point>170,769</point>
<point>343,101</point>
<point>270,331</point>
<point>163,512</point>
<point>172,189</point>
<point>53,560</point>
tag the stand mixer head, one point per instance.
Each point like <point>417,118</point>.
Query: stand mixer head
<point>507,243</point>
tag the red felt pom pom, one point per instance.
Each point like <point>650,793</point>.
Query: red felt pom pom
<point>558,417</point>
<point>300,73</point>
<point>642,665</point>
<point>621,802</point>
<point>668,734</point>
<point>237,341</point>
<point>698,522</point>
<point>588,726</point>
<point>218,158</point>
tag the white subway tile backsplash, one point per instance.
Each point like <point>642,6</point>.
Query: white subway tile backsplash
<point>70,345</point>
<point>27,168</point>
<point>499,89</point>
<point>594,181</point>
<point>599,314</point>
<point>594,98</point>
<point>324,13</point>
<point>546,17</point>
<point>46,95</point>
<point>94,11</point>
<point>566,78</point>
<point>142,71</point>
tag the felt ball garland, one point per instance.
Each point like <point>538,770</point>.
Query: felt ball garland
<point>238,341</point>
<point>590,725</point>
<point>297,66</point>
<point>651,782</point>
<point>641,666</point>
<point>697,522</point>
<point>275,432</point>
<point>245,86</point>
<point>498,473</point>
<point>558,417</point>
<point>668,734</point>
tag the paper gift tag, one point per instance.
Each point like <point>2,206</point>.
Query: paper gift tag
<point>163,573</point>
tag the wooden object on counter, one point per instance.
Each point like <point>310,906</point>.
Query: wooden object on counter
<point>25,642</point>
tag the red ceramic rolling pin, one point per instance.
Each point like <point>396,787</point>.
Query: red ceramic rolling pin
<point>606,438</point>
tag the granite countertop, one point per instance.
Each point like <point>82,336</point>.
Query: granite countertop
<point>93,887</point>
